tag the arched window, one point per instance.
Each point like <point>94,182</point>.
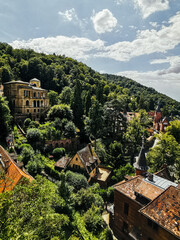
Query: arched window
<point>38,94</point>
<point>27,103</point>
<point>41,103</point>
<point>34,94</point>
<point>38,103</point>
<point>34,103</point>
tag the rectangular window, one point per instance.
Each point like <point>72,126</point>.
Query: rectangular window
<point>126,208</point>
<point>125,227</point>
<point>76,166</point>
<point>27,110</point>
<point>34,110</point>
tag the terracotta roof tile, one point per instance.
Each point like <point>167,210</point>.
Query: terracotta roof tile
<point>147,190</point>
<point>127,187</point>
<point>138,185</point>
<point>165,210</point>
<point>13,174</point>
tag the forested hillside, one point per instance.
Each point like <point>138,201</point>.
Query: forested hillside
<point>89,107</point>
<point>56,72</point>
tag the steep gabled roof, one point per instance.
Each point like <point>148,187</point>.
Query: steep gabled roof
<point>87,156</point>
<point>165,210</point>
<point>12,173</point>
<point>141,160</point>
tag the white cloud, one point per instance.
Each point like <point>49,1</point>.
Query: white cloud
<point>148,7</point>
<point>78,48</point>
<point>147,42</point>
<point>161,83</point>
<point>104,21</point>
<point>174,62</point>
<point>154,24</point>
<point>69,15</point>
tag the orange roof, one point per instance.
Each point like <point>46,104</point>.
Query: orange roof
<point>148,190</point>
<point>165,210</point>
<point>13,174</point>
<point>137,184</point>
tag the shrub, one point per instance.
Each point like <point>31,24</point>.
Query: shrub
<point>93,220</point>
<point>58,152</point>
<point>27,121</point>
<point>70,130</point>
<point>76,180</point>
<point>35,167</point>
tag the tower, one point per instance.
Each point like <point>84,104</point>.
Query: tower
<point>157,114</point>
<point>140,165</point>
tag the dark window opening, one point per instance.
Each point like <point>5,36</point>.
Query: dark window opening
<point>76,166</point>
<point>34,103</point>
<point>125,227</point>
<point>126,208</point>
<point>34,110</point>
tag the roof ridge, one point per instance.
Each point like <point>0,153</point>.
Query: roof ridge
<point>13,162</point>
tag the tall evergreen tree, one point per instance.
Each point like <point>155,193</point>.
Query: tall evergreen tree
<point>77,106</point>
<point>95,121</point>
<point>87,102</point>
<point>99,92</point>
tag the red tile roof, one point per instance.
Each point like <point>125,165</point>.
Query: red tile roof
<point>13,174</point>
<point>137,184</point>
<point>165,210</point>
<point>147,190</point>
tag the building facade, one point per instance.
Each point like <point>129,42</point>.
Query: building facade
<point>159,123</point>
<point>146,206</point>
<point>26,98</point>
<point>87,162</point>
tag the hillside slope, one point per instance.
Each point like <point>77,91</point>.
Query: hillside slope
<point>56,72</point>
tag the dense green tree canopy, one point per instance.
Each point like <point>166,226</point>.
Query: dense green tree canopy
<point>60,111</point>
<point>28,212</point>
<point>5,118</point>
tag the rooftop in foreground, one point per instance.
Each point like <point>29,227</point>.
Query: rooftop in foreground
<point>164,210</point>
<point>137,184</point>
<point>13,174</point>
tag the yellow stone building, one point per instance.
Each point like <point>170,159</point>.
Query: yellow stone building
<point>26,98</point>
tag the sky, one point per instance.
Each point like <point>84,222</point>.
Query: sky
<point>139,39</point>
